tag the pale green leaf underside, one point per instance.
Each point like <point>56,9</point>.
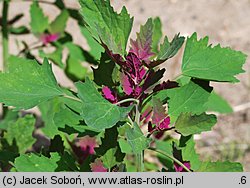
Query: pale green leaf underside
<point>39,22</point>
<point>59,24</point>
<point>203,61</point>
<point>188,124</point>
<point>136,139</point>
<point>105,25</point>
<point>188,98</point>
<point>26,84</point>
<point>34,163</point>
<point>21,132</point>
<point>97,112</point>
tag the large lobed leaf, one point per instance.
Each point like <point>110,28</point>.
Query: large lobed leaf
<point>188,98</point>
<point>97,112</point>
<point>26,83</point>
<point>107,26</point>
<point>203,61</point>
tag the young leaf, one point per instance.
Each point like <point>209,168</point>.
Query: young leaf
<point>188,98</point>
<point>217,104</point>
<point>203,61</point>
<point>27,84</point>
<point>97,112</point>
<point>34,163</point>
<point>142,46</point>
<point>157,34</point>
<point>107,26</point>
<point>95,48</point>
<point>220,167</point>
<point>21,132</point>
<point>55,56</point>
<point>59,24</point>
<point>74,68</point>
<point>188,124</point>
<point>39,22</point>
<point>169,49</point>
<point>136,139</point>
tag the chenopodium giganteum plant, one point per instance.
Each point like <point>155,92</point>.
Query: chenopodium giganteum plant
<point>124,106</point>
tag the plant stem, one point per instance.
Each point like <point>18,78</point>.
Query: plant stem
<point>128,100</point>
<point>73,98</point>
<point>5,38</point>
<point>139,162</point>
<point>172,158</point>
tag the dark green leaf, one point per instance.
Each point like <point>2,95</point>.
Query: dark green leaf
<point>55,56</point>
<point>169,49</point>
<point>188,124</point>
<point>188,98</point>
<point>105,25</point>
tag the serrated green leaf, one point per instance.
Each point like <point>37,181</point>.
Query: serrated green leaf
<point>203,61</point>
<point>169,49</point>
<point>34,163</point>
<point>187,146</point>
<point>105,25</point>
<point>188,98</point>
<point>188,124</point>
<point>220,167</point>
<point>39,22</point>
<point>27,84</point>
<point>218,104</point>
<point>157,34</point>
<point>21,132</point>
<point>109,159</point>
<point>136,139</point>
<point>97,112</point>
<point>59,24</point>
